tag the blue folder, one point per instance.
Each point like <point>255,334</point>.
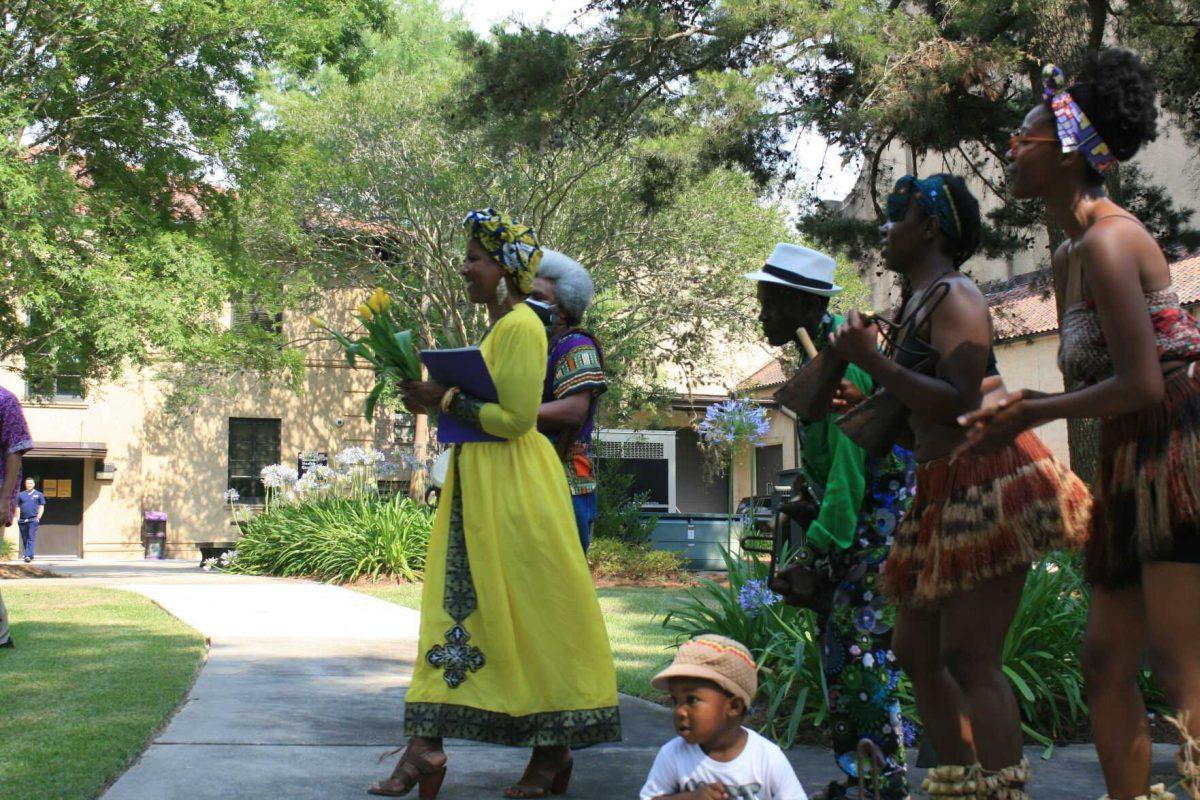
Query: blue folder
<point>463,367</point>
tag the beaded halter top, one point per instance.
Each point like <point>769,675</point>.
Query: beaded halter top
<point>1083,355</point>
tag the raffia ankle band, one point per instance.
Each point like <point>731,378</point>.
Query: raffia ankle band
<point>954,781</point>
<point>1006,784</point>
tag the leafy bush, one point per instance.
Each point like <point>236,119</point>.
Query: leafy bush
<point>621,560</point>
<point>783,639</point>
<point>618,510</point>
<point>337,539</point>
<point>1041,654</point>
<point>6,548</point>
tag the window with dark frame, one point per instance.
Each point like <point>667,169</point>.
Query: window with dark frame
<point>248,312</point>
<point>51,372</point>
<point>253,444</point>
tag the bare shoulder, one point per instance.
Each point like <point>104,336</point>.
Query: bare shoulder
<point>1117,237</point>
<point>1114,244</point>
<point>964,294</point>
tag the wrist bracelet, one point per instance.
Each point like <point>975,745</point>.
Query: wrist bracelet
<point>448,398</point>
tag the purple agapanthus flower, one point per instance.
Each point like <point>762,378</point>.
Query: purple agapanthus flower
<point>754,596</point>
<point>732,422</point>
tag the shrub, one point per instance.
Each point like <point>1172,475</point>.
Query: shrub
<point>6,548</point>
<point>783,639</point>
<point>336,539</point>
<point>620,560</point>
<point>1041,653</point>
<point>618,510</point>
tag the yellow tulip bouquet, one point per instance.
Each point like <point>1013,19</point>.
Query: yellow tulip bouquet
<point>391,351</point>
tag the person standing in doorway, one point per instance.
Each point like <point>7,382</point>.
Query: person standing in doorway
<point>32,505</point>
<point>15,441</point>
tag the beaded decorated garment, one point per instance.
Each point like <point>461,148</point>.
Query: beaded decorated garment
<point>1083,355</point>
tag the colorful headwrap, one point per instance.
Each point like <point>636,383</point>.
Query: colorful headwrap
<point>514,246</point>
<point>933,196</point>
<point>1075,130</point>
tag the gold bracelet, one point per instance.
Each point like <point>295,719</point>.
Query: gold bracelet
<point>448,398</point>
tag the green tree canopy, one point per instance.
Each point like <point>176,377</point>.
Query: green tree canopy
<point>383,171</point>
<point>127,131</point>
<point>722,82</point>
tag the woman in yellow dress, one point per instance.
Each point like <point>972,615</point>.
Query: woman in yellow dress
<point>513,648</point>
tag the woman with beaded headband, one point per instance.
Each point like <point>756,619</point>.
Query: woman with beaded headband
<point>513,648</point>
<point>960,557</point>
<point>1128,355</point>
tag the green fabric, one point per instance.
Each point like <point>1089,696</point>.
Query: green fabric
<point>832,460</point>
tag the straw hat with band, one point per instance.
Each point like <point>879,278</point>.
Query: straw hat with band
<point>719,659</point>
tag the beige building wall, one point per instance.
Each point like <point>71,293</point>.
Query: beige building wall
<point>178,463</point>
<point>1033,364</point>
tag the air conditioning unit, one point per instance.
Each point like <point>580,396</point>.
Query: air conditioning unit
<point>649,456</point>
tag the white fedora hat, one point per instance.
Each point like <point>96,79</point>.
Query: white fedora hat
<point>799,268</point>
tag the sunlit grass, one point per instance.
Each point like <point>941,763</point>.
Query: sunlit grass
<point>94,674</point>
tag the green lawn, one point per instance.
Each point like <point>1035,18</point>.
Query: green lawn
<point>634,617</point>
<point>94,674</point>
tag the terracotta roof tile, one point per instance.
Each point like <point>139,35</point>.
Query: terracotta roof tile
<point>1025,306</point>
<point>768,375</point>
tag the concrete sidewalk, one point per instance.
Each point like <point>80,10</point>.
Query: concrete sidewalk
<point>304,691</point>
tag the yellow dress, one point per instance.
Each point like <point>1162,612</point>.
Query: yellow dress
<point>513,648</point>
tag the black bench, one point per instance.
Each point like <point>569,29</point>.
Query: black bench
<point>214,549</point>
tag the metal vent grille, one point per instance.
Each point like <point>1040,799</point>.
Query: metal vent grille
<point>644,450</point>
<point>629,449</point>
<point>603,449</point>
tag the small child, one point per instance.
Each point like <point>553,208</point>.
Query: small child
<point>713,681</point>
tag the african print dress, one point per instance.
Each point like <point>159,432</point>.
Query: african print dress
<point>513,648</point>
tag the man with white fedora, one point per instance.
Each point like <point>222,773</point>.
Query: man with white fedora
<point>858,501</point>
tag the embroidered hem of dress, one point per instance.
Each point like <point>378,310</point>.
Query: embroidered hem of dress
<point>579,728</point>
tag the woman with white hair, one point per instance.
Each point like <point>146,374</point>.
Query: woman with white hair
<point>574,380</point>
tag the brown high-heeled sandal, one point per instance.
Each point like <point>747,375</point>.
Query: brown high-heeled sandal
<point>413,770</point>
<point>536,783</point>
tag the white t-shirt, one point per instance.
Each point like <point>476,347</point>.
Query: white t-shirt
<point>760,772</point>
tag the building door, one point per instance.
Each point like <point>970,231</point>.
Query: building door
<point>768,462</point>
<point>696,490</point>
<point>61,480</point>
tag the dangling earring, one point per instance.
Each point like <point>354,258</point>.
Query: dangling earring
<point>502,291</point>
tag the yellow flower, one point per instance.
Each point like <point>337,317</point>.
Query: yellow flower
<point>379,301</point>
<point>316,321</point>
<point>365,313</point>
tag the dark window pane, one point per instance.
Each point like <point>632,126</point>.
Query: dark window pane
<point>253,444</point>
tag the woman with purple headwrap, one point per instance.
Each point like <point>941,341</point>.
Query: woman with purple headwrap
<point>1128,355</point>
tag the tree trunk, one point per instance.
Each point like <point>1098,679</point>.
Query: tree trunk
<point>1083,440</point>
<point>417,480</point>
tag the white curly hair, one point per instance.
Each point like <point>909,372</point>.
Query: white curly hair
<point>573,288</point>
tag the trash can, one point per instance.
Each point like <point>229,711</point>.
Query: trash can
<point>154,534</point>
